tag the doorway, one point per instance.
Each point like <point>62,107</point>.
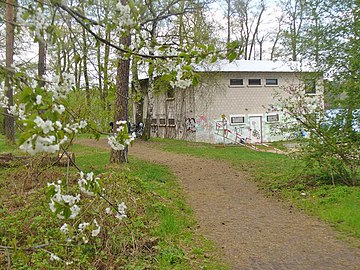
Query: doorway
<point>255,125</point>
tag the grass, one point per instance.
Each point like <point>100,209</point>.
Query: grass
<point>159,233</point>
<point>282,176</point>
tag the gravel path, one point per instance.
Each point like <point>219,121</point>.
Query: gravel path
<point>251,230</point>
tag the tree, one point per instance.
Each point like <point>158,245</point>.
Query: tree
<point>247,24</point>
<point>122,95</point>
<point>332,150</point>
<point>42,55</point>
<point>294,12</point>
<point>9,120</point>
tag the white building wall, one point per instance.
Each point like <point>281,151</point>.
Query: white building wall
<point>198,111</point>
<point>254,103</point>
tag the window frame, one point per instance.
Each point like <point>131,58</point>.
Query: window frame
<point>232,123</point>
<point>154,121</point>
<point>235,84</point>
<point>272,115</point>
<point>271,84</point>
<point>160,122</point>
<point>253,80</point>
<point>171,124</point>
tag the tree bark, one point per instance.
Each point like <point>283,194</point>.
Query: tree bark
<point>9,120</point>
<point>85,70</point>
<point>42,57</point>
<point>122,100</point>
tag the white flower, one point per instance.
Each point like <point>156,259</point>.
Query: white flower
<point>64,228</point>
<point>114,144</point>
<point>53,257</point>
<point>74,211</point>
<point>108,210</point>
<point>38,99</point>
<point>82,226</point>
<point>97,230</point>
<point>36,144</point>
<point>46,126</point>
<point>58,108</point>
<point>52,206</point>
<point>121,211</point>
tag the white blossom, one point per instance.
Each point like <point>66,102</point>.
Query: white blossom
<point>82,226</point>
<point>46,126</point>
<point>64,228</point>
<point>86,184</point>
<point>36,144</point>
<point>121,122</point>
<point>121,211</point>
<point>97,230</point>
<point>114,144</point>
<point>58,108</point>
<point>53,257</point>
<point>38,99</point>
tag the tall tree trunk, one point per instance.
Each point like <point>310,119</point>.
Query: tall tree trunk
<point>252,45</point>
<point>149,92</point>
<point>85,70</point>
<point>228,15</point>
<point>106,69</point>
<point>42,57</point>
<point>122,100</point>
<point>9,120</point>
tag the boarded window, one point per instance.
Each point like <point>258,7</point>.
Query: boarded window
<point>271,82</point>
<point>235,82</point>
<point>272,118</point>
<point>162,121</point>
<point>171,122</point>
<point>154,122</point>
<point>254,81</point>
<point>237,119</point>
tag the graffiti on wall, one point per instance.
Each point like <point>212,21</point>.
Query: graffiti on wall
<point>190,125</point>
<point>231,134</point>
<point>203,124</point>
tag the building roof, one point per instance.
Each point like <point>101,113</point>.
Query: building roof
<point>254,66</point>
<point>249,66</point>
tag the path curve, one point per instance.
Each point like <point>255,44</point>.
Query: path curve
<point>251,230</point>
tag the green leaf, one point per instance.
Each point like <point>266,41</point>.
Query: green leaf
<point>67,212</point>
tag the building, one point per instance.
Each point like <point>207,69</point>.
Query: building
<point>234,102</point>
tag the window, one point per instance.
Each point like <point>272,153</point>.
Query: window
<point>272,118</point>
<point>236,82</point>
<point>162,122</point>
<point>254,81</point>
<point>154,122</point>
<point>271,82</point>
<point>237,119</point>
<point>310,86</point>
<point>171,122</point>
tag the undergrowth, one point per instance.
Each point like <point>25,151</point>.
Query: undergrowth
<point>158,233</point>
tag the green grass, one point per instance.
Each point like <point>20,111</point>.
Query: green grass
<point>159,233</point>
<point>338,205</point>
<point>7,147</point>
<point>282,176</point>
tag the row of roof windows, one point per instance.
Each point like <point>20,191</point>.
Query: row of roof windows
<point>310,84</point>
<point>240,82</point>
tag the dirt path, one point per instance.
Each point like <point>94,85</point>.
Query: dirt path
<point>252,231</point>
